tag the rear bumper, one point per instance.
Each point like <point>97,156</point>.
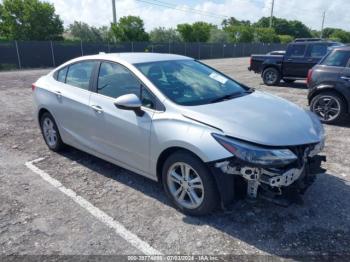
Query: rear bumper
<point>281,186</point>
<point>254,70</point>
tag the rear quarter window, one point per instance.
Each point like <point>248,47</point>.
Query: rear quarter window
<point>61,74</point>
<point>338,58</point>
<point>318,50</point>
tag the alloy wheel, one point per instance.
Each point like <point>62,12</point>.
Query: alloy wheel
<point>270,77</point>
<point>185,185</point>
<point>327,108</point>
<point>49,131</point>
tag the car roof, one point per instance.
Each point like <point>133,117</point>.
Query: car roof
<point>135,58</point>
<point>307,39</point>
<point>342,47</point>
<point>313,42</point>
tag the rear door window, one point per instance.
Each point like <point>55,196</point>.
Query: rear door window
<point>79,74</point>
<point>337,58</point>
<point>296,50</point>
<point>318,50</point>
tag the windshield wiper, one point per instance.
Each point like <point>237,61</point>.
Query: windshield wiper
<point>226,97</point>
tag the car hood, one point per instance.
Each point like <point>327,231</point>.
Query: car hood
<point>260,118</point>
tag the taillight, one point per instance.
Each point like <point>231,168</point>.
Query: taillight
<point>309,75</point>
<point>33,87</point>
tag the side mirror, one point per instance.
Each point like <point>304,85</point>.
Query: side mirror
<point>129,102</point>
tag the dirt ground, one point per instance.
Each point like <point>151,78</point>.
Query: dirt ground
<point>36,218</point>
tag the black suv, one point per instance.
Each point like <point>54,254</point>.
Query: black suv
<point>300,56</point>
<point>329,86</point>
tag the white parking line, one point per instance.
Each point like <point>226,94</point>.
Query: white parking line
<point>99,214</point>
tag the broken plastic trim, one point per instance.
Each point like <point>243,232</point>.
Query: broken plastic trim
<point>256,176</point>
<point>271,178</point>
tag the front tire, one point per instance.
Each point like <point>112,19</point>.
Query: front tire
<point>50,132</point>
<point>189,184</point>
<point>329,107</point>
<point>271,76</point>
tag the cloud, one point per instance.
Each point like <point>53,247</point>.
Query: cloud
<point>310,12</point>
<point>99,12</point>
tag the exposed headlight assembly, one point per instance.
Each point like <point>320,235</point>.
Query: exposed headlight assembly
<point>255,154</point>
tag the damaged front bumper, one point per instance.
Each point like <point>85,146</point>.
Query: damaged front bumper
<point>282,185</point>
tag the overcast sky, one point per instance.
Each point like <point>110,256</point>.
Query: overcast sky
<point>99,12</point>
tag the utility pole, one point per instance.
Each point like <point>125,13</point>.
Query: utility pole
<point>114,12</point>
<point>323,18</point>
<point>272,4</point>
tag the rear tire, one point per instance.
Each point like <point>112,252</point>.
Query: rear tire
<point>271,76</point>
<point>50,132</point>
<point>329,107</point>
<point>189,184</point>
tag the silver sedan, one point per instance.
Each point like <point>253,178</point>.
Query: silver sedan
<point>201,134</point>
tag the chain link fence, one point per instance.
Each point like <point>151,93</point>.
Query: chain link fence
<point>42,54</point>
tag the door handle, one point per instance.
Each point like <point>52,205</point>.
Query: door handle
<point>309,60</point>
<point>58,93</point>
<point>346,78</point>
<point>97,108</point>
<point>289,59</point>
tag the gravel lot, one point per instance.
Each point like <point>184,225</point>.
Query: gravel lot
<point>36,218</point>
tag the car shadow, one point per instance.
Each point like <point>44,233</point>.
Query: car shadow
<point>344,123</point>
<point>299,85</point>
<point>321,225</point>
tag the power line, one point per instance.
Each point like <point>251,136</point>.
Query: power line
<point>188,10</point>
<point>299,9</point>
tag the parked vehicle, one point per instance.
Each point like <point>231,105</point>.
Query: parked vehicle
<point>329,86</point>
<point>300,56</point>
<point>182,123</point>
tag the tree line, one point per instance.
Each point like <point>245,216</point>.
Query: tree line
<point>36,20</point>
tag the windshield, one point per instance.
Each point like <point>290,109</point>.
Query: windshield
<point>189,82</point>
